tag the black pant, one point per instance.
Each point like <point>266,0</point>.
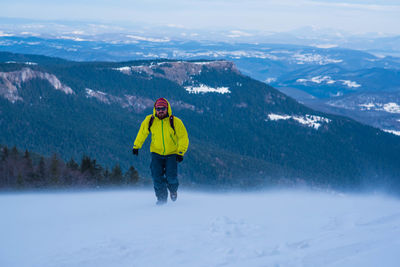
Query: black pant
<point>164,170</point>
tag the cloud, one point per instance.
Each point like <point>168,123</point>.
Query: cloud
<point>359,6</point>
<point>267,15</point>
<point>236,34</point>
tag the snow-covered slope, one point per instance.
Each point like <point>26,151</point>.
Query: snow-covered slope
<point>126,228</point>
<point>10,82</point>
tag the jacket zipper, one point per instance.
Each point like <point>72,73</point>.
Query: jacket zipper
<point>162,131</point>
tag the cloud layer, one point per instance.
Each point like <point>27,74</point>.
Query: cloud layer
<point>270,15</point>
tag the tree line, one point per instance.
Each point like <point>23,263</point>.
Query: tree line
<point>26,170</point>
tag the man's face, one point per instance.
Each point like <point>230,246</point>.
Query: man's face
<point>161,112</point>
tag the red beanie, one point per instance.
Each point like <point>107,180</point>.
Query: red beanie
<point>161,102</point>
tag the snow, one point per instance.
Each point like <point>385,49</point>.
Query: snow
<point>309,58</point>
<point>26,63</point>
<point>392,132</point>
<point>271,228</point>
<point>203,63</point>
<point>275,117</point>
<point>391,107</point>
<point>367,106</point>
<point>308,120</point>
<point>148,39</point>
<point>328,80</point>
<point>202,89</point>
<point>318,80</point>
<point>99,95</point>
<point>283,55</point>
<point>270,80</point>
<point>53,80</point>
<point>350,84</point>
<point>337,94</point>
<point>311,120</point>
<point>123,69</point>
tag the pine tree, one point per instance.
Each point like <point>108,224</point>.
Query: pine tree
<point>28,167</point>
<point>96,169</point>
<point>41,172</point>
<point>72,165</point>
<point>20,180</point>
<point>14,152</point>
<point>91,170</point>
<point>54,170</point>
<point>106,176</point>
<point>132,176</point>
<point>26,154</point>
<point>86,164</point>
<point>116,175</point>
<point>4,154</point>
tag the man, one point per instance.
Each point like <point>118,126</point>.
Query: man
<point>169,142</point>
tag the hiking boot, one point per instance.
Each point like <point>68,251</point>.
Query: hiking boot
<point>174,196</point>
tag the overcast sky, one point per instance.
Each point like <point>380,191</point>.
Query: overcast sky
<point>358,16</point>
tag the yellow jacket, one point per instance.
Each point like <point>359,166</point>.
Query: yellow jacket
<point>164,141</point>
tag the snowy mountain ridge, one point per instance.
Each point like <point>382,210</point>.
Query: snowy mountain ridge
<point>137,103</point>
<point>177,71</point>
<point>10,82</point>
<point>308,120</point>
<point>382,110</point>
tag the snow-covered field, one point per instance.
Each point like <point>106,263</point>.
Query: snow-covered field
<point>126,228</point>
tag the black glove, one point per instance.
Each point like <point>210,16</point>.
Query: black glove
<point>179,158</point>
<point>135,152</point>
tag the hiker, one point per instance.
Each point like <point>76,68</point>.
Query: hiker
<point>169,142</point>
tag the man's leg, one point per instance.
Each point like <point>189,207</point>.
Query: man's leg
<point>171,171</point>
<point>157,172</point>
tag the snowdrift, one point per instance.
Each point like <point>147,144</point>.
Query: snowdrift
<point>126,228</point>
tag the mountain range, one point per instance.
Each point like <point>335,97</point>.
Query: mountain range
<point>311,75</point>
<point>242,131</point>
<point>123,33</point>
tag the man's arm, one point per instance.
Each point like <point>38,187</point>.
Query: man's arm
<point>183,139</point>
<point>142,134</point>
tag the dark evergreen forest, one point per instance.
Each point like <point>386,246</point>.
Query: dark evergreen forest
<point>26,170</point>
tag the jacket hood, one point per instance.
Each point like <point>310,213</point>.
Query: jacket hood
<point>169,109</point>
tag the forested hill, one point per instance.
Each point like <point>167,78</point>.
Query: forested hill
<point>25,170</point>
<point>242,131</point>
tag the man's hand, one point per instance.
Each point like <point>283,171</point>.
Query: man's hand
<point>135,152</point>
<point>179,158</point>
